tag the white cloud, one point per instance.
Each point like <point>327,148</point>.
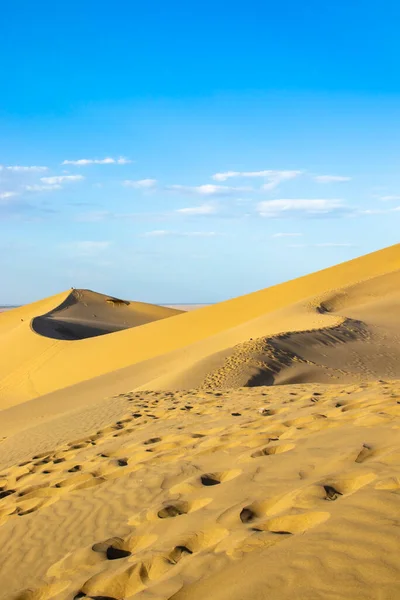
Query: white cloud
<point>86,248</point>
<point>284,235</point>
<point>330,178</point>
<point>57,179</point>
<point>203,209</point>
<point>295,207</point>
<point>165,233</point>
<point>274,178</point>
<point>42,188</point>
<point>390,198</point>
<point>228,174</point>
<point>158,233</point>
<point>324,245</point>
<point>20,169</point>
<point>141,184</point>
<point>208,189</point>
<point>378,211</point>
<point>7,195</point>
<point>278,177</point>
<point>83,162</point>
<point>373,211</point>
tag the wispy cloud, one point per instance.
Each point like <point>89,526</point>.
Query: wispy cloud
<point>22,169</point>
<point>273,178</point>
<point>324,245</point>
<point>378,211</point>
<point>208,189</point>
<point>166,233</point>
<point>86,248</point>
<point>42,188</point>
<point>331,178</point>
<point>141,184</point>
<point>300,207</point>
<point>286,235</point>
<point>57,179</point>
<point>390,198</point>
<point>7,195</point>
<point>83,162</point>
<point>203,209</point>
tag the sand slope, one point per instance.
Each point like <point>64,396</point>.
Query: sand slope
<point>44,370</point>
<point>112,492</point>
<point>84,314</point>
<point>36,335</point>
<point>253,493</point>
<point>362,346</point>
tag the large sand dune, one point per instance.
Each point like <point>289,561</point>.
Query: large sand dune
<point>248,450</point>
<point>35,365</point>
<point>84,314</point>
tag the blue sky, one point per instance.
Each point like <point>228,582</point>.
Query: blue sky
<point>170,153</point>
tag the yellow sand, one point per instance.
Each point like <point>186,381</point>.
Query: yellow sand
<point>35,366</point>
<point>203,488</point>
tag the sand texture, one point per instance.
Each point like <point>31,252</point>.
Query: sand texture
<point>248,450</point>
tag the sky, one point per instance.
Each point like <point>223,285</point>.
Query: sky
<point>172,152</point>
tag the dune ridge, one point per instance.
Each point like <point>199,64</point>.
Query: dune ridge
<point>363,345</point>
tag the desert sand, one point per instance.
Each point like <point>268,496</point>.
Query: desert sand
<point>247,450</point>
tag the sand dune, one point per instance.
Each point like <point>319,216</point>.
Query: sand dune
<point>38,337</point>
<point>40,367</point>
<point>247,450</point>
<point>84,314</point>
<point>363,346</point>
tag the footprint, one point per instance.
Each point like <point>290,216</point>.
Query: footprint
<point>365,454</point>
<point>113,549</point>
<point>5,493</point>
<point>182,508</point>
<point>273,449</point>
<point>152,441</point>
<point>178,553</point>
<point>347,484</point>
<point>203,539</point>
<point>206,480</point>
<point>291,524</point>
<point>116,584</point>
<point>247,515</point>
<point>210,479</point>
<point>173,510</point>
<point>75,469</point>
<point>331,493</point>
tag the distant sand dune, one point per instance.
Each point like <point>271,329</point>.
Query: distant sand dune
<point>84,314</point>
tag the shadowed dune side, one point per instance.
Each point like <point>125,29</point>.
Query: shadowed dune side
<point>84,314</point>
<point>363,346</point>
